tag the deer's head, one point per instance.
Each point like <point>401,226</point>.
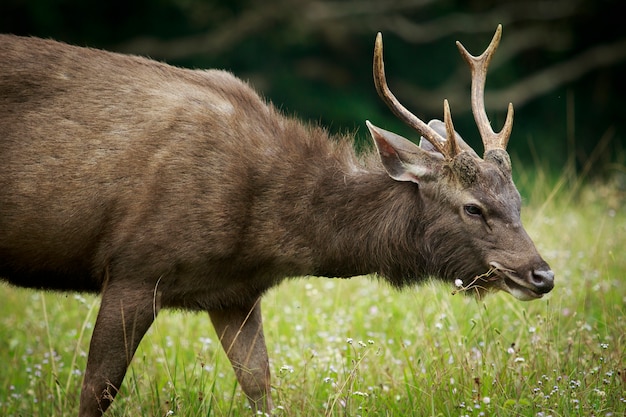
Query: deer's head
<point>476,234</point>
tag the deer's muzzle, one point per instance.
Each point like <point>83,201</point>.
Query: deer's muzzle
<point>532,285</point>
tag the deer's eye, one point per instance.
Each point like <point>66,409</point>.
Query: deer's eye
<point>473,210</point>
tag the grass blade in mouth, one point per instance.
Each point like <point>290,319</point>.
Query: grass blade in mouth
<point>490,275</point>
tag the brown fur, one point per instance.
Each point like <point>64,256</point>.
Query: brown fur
<point>165,187</point>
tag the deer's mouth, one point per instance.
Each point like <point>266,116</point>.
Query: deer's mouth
<point>508,280</point>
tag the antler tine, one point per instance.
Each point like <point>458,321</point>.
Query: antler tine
<point>400,111</point>
<point>478,66</point>
<point>452,147</point>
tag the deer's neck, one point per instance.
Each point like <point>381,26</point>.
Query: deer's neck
<point>365,222</point>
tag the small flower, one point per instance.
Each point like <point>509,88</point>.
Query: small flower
<point>206,341</point>
<point>458,283</point>
<point>486,400</point>
<point>286,369</point>
<point>599,393</point>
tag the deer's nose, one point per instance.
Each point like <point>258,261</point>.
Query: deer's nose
<point>543,280</point>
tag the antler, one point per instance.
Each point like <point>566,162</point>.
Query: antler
<point>478,66</point>
<point>451,148</point>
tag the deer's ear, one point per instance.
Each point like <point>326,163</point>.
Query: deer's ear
<point>403,160</point>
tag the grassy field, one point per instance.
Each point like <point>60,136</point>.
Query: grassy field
<point>359,348</point>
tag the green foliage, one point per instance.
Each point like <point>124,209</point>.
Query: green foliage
<point>357,347</point>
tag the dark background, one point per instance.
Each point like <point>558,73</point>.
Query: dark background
<point>561,62</point>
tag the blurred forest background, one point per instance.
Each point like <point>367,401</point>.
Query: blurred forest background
<point>561,62</point>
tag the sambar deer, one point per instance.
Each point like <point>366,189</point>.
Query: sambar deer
<point>161,187</point>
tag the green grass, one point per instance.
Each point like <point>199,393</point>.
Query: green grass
<point>357,347</point>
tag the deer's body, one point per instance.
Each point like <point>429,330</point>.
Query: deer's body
<point>194,157</point>
<point>164,187</point>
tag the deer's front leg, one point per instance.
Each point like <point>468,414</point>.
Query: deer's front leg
<point>241,333</point>
<point>125,315</point>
